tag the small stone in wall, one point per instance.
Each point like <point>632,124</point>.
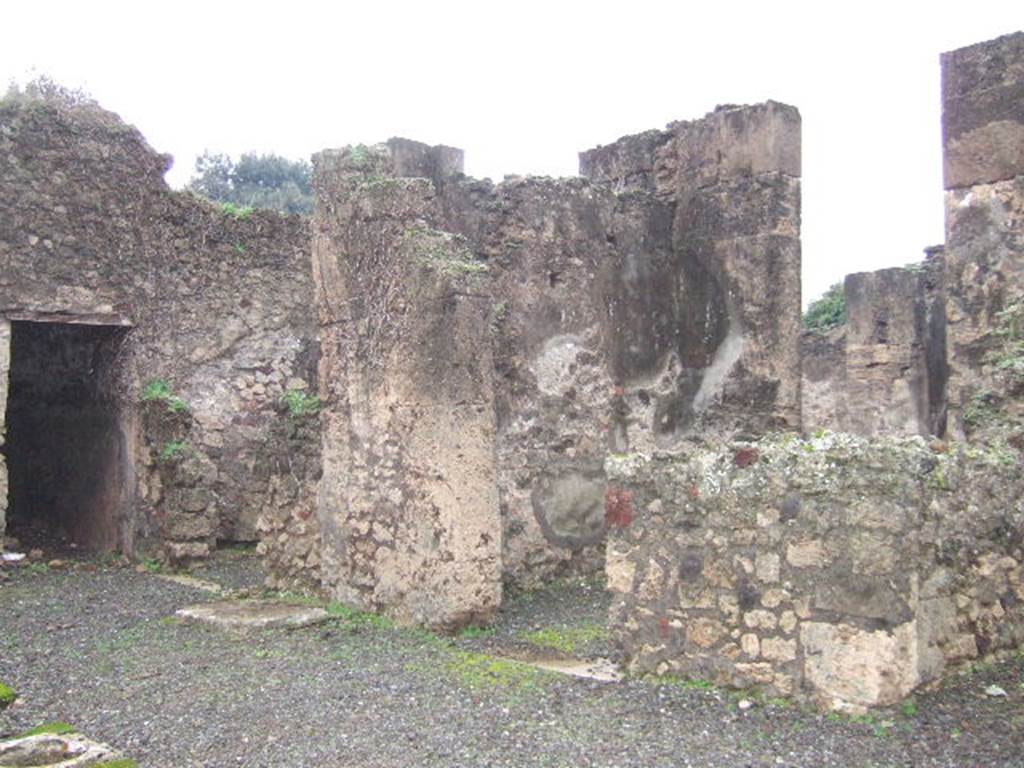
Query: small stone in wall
<point>777,649</point>
<point>618,507</point>
<point>760,619</point>
<point>746,457</point>
<point>704,633</point>
<point>768,565</point>
<point>620,572</point>
<point>751,645</point>
<point>807,554</point>
<point>788,622</point>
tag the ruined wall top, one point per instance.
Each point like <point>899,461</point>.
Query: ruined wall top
<point>731,141</point>
<point>101,142</point>
<point>983,112</point>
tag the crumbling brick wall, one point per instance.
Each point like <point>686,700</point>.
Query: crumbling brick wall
<point>218,304</point>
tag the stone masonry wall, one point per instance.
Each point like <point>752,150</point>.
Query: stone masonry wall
<point>883,372</point>
<point>983,147</point>
<point>5,361</point>
<point>837,570</point>
<point>618,317</point>
<point>626,312</point>
<point>408,505</point>
<point>218,305</point>
<point>731,182</point>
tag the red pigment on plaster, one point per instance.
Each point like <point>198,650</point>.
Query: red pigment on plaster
<point>618,507</point>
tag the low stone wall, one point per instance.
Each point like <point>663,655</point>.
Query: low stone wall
<point>836,570</point>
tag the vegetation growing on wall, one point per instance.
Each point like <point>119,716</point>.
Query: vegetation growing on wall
<point>827,312</point>
<point>158,390</point>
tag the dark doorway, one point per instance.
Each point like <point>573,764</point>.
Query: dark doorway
<point>67,448</point>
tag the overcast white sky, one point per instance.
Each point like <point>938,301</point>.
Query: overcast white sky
<point>523,86</point>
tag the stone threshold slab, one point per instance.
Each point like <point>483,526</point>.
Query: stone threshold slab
<point>253,614</point>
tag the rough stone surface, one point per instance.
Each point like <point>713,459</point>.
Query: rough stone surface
<point>898,562</point>
<point>985,274</point>
<point>983,129</point>
<point>217,306</point>
<point>49,750</point>
<point>408,504</point>
<point>5,364</point>
<point>613,317</point>
<point>884,371</point>
<point>983,112</point>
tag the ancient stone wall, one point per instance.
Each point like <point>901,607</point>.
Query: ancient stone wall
<point>218,304</point>
<point>835,569</point>
<point>408,504</point>
<point>883,372</point>
<point>983,146</point>
<point>5,362</point>
<point>617,315</point>
<point>731,184</point>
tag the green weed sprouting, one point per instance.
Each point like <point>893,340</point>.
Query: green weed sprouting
<point>158,390</point>
<point>236,211</point>
<point>172,451</point>
<point>301,404</point>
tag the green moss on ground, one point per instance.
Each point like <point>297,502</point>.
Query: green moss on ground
<point>7,696</point>
<point>478,670</point>
<point>567,640</point>
<point>57,729</point>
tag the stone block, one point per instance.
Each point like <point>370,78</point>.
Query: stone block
<point>983,112</point>
<point>807,554</point>
<point>851,669</point>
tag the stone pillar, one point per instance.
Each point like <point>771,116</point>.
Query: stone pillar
<point>886,371</point>
<point>732,181</point>
<point>5,367</point>
<point>983,150</point>
<point>407,506</point>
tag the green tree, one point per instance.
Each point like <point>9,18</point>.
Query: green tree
<point>829,311</point>
<point>257,181</point>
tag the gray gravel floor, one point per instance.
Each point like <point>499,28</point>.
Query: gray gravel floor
<point>97,649</point>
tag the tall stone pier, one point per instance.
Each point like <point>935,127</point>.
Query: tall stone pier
<point>408,505</point>
<point>983,149</point>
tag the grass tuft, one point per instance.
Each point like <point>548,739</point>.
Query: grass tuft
<point>7,696</point>
<point>56,729</point>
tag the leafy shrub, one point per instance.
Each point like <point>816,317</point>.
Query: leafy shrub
<point>827,312</point>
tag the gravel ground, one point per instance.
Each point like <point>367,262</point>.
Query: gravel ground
<point>95,647</point>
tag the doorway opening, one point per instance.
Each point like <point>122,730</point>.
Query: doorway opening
<point>68,451</point>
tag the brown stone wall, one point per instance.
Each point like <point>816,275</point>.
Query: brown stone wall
<point>218,305</point>
<point>622,312</point>
<point>289,463</point>
<point>5,361</point>
<point>552,281</point>
<point>983,145</point>
<point>834,569</point>
<point>823,379</point>
<point>884,371</point>
<point>408,504</point>
<point>732,184</point>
